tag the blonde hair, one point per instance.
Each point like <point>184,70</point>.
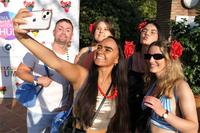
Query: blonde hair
<point>173,74</point>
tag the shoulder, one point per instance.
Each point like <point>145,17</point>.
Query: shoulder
<point>183,89</point>
<point>135,56</point>
<point>182,85</point>
<point>81,55</point>
<point>83,50</point>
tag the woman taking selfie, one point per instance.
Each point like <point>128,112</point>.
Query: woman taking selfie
<point>108,69</point>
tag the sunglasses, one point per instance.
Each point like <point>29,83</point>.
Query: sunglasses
<point>155,56</point>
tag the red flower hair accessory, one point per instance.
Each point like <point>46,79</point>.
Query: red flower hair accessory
<point>92,27</point>
<point>176,50</point>
<point>129,49</point>
<point>141,26</point>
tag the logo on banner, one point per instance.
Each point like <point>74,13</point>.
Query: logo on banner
<point>6,25</point>
<point>8,71</point>
<point>7,47</point>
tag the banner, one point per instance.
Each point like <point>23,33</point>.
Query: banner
<point>12,52</point>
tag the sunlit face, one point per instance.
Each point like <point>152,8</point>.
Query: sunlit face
<point>102,31</point>
<point>63,33</point>
<point>149,34</point>
<point>107,53</point>
<point>156,66</point>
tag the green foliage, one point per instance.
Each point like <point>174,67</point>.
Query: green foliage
<point>148,10</point>
<point>190,40</point>
<point>123,14</point>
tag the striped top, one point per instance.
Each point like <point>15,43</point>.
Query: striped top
<point>156,119</point>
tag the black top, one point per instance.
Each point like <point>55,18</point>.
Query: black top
<point>135,96</point>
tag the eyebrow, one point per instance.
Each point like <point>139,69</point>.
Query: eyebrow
<point>103,27</point>
<point>151,29</point>
<point>63,27</point>
<point>106,47</point>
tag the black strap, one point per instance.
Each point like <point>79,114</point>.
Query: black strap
<point>100,105</point>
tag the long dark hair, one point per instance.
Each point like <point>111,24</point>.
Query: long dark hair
<point>110,25</point>
<point>86,102</point>
<point>161,36</point>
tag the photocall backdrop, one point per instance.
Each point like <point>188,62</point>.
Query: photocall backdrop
<point>12,52</point>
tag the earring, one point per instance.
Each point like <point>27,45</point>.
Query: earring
<point>115,64</point>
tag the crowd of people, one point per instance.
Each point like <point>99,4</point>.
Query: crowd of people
<point>154,69</point>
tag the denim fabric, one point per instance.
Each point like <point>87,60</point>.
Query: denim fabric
<point>39,123</point>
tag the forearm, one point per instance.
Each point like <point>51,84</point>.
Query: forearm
<point>25,76</point>
<point>181,124</point>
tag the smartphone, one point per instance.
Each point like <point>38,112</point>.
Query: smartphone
<point>40,20</point>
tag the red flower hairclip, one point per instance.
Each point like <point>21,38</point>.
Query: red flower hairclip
<point>141,26</point>
<point>92,27</point>
<point>129,49</point>
<point>176,50</point>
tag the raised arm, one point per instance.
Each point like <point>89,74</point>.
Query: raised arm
<point>74,73</point>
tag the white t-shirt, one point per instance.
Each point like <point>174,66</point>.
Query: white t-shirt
<point>54,96</point>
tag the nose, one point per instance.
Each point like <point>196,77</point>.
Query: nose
<point>101,30</point>
<point>151,59</point>
<point>147,32</point>
<point>100,51</point>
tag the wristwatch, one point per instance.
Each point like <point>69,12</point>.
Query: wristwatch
<point>35,80</point>
<point>165,115</point>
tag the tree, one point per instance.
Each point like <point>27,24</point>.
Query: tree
<point>123,14</point>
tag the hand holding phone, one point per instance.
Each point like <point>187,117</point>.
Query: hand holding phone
<point>40,20</point>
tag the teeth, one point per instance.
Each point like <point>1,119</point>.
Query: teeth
<point>153,66</point>
<point>101,36</point>
<point>100,57</point>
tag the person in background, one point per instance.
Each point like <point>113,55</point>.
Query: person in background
<point>56,95</point>
<point>100,30</point>
<point>108,69</point>
<point>148,33</point>
<point>175,110</point>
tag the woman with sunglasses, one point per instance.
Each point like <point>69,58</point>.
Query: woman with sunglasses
<point>175,110</point>
<point>148,33</point>
<point>107,71</point>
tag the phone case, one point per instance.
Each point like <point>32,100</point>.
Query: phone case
<point>40,20</point>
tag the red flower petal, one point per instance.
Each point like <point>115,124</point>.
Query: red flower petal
<point>129,49</point>
<point>141,26</point>
<point>92,27</point>
<point>176,51</point>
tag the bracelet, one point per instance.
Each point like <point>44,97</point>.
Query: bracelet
<point>35,80</point>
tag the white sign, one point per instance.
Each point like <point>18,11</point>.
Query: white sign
<point>12,52</point>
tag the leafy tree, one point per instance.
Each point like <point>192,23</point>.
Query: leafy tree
<point>147,8</point>
<point>123,14</point>
<point>190,40</point>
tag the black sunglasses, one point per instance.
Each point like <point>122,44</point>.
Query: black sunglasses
<point>155,56</point>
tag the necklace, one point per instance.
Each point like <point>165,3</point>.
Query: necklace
<point>139,63</point>
<point>109,97</point>
<point>66,51</point>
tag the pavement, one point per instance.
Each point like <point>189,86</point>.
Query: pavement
<point>12,116</point>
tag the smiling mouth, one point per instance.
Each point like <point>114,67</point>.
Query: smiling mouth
<point>101,36</point>
<point>153,66</point>
<point>98,57</point>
